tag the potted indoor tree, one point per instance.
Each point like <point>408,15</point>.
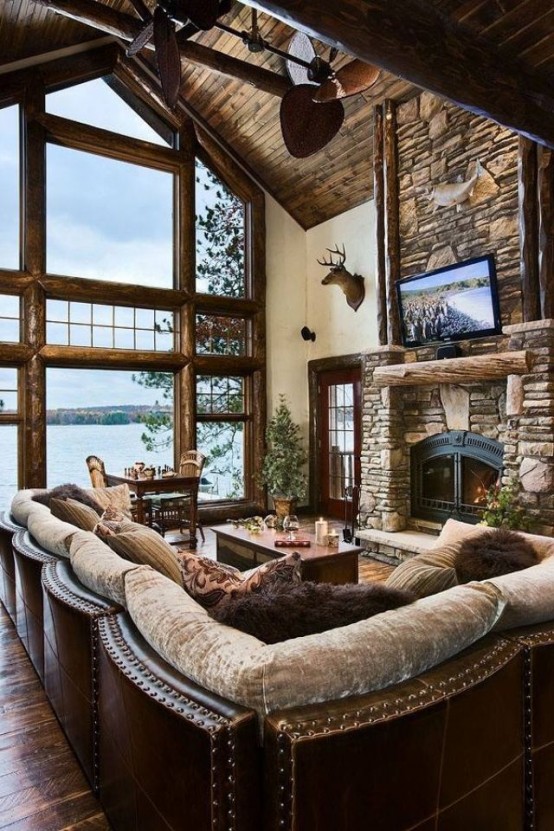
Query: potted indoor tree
<point>282,468</point>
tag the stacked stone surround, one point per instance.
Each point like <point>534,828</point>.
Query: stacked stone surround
<point>517,411</point>
<point>439,143</point>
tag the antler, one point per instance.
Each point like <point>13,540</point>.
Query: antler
<point>332,263</point>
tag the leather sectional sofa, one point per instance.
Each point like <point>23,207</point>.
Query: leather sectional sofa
<point>458,737</point>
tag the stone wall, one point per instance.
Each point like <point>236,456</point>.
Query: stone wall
<point>439,143</point>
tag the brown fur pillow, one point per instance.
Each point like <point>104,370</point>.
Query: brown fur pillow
<point>493,553</point>
<point>68,491</point>
<point>306,608</point>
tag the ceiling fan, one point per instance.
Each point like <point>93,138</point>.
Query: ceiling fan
<point>172,22</point>
<point>311,112</point>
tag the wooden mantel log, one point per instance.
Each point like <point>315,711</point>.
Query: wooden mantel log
<point>469,370</point>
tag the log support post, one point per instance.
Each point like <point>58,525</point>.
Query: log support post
<point>392,221</point>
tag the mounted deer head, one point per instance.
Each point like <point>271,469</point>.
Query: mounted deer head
<point>352,285</point>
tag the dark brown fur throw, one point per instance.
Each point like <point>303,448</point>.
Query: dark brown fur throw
<point>494,552</point>
<point>69,491</point>
<point>307,608</point>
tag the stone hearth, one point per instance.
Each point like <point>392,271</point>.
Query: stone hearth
<point>398,412</point>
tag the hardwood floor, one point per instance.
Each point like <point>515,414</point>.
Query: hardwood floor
<point>42,787</point>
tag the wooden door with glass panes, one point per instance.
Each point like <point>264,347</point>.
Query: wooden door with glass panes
<point>339,404</point>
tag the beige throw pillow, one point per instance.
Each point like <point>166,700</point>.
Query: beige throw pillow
<point>144,546</point>
<point>69,510</point>
<point>428,573</point>
<point>455,531</point>
<point>211,583</point>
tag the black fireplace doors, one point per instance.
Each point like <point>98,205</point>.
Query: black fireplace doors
<point>451,473</point>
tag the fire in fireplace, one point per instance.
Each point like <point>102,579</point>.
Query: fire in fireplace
<point>451,473</point>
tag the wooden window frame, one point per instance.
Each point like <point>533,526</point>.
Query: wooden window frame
<point>33,355</point>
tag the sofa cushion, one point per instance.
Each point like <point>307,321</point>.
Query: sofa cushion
<point>454,531</point>
<point>53,534</point>
<point>68,491</point>
<point>144,546</point>
<point>306,608</point>
<point>212,583</point>
<point>351,660</point>
<point>98,567</point>
<point>76,513</point>
<point>494,552</point>
<point>426,573</point>
<point>528,594</point>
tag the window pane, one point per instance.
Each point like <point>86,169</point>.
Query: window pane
<point>8,390</point>
<point>220,237</point>
<point>219,394</point>
<point>119,411</point>
<point>80,332</point>
<point>8,451</point>
<point>219,335</point>
<point>9,187</point>
<point>95,103</point>
<point>10,318</point>
<point>223,474</point>
<point>108,220</point>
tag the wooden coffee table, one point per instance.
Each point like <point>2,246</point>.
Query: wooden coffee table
<point>242,549</point>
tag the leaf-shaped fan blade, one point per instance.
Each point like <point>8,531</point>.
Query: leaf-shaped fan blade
<point>349,80</point>
<point>141,39</point>
<point>300,46</point>
<point>203,13</point>
<point>167,56</point>
<point>307,127</point>
<point>141,9</point>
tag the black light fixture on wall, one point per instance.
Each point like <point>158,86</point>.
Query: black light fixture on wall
<point>307,334</point>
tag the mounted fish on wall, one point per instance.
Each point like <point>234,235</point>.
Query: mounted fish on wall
<point>454,193</point>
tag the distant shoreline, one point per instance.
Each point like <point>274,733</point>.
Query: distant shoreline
<point>106,415</point>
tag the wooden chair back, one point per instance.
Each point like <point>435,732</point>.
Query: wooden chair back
<point>191,463</point>
<point>97,472</point>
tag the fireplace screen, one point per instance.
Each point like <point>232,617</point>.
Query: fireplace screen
<point>451,473</point>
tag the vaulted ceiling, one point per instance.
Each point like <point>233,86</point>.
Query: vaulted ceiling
<point>495,57</point>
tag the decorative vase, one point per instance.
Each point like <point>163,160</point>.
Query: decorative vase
<point>283,506</point>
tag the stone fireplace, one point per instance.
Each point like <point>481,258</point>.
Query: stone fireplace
<point>498,400</point>
<point>450,474</point>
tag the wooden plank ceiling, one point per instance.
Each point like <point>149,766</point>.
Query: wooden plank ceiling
<point>519,32</point>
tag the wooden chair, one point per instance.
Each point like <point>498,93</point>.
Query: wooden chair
<point>172,510</point>
<point>97,472</point>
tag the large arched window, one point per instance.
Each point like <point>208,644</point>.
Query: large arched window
<point>132,325</point>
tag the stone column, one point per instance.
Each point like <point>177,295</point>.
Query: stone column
<point>529,449</point>
<point>384,462</point>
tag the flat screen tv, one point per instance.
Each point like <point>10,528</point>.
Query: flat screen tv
<point>455,302</point>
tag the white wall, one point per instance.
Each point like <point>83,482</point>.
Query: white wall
<point>296,298</point>
<point>339,329</point>
<point>286,311</point>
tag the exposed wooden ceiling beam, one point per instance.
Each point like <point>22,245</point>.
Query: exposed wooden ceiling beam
<point>126,27</point>
<point>414,40</point>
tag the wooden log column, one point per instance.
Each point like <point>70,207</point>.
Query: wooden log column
<point>392,221</point>
<point>528,229</point>
<point>379,199</point>
<point>546,233</point>
<point>34,306</point>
